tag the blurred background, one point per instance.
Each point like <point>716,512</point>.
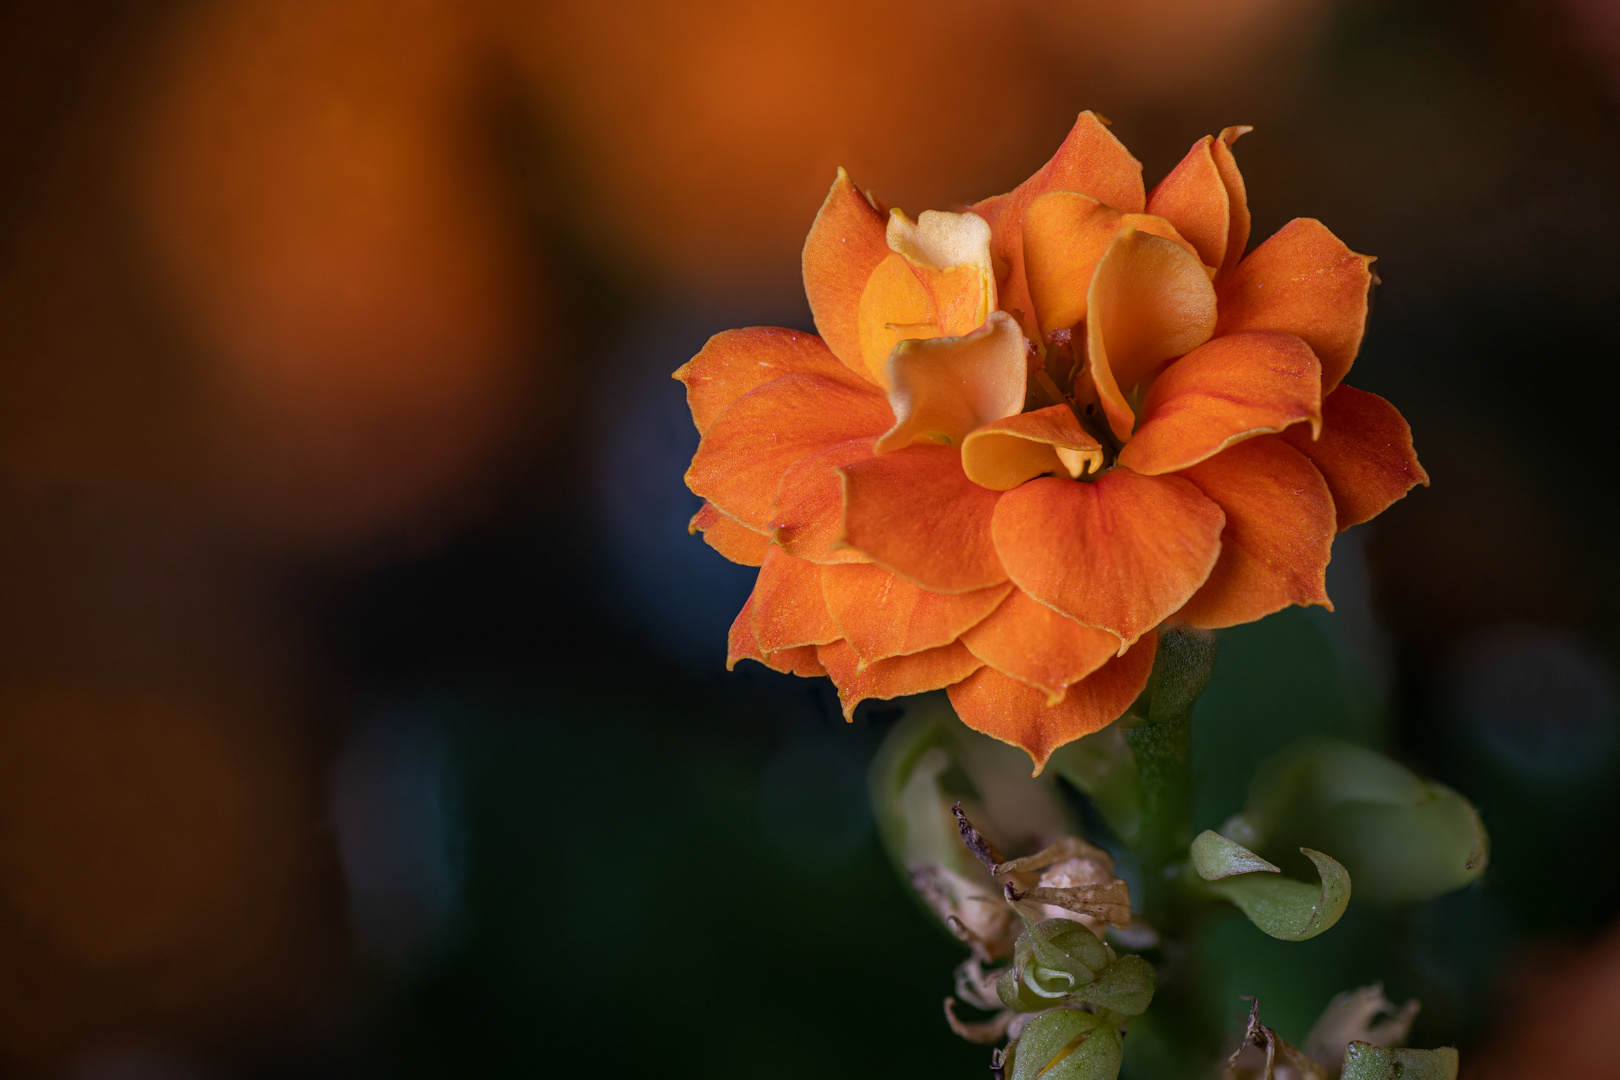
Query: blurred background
<point>362,700</point>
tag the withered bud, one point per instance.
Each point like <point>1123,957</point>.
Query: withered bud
<point>975,841</point>
<point>1263,1055</point>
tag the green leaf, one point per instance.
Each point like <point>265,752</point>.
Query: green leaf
<point>1363,1061</point>
<point>1065,1044</point>
<point>1216,857</point>
<point>1402,838</point>
<point>1286,909</point>
<point>1061,962</point>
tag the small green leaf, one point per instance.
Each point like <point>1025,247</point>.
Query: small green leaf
<point>1066,1044</point>
<point>1216,857</point>
<point>1287,909</point>
<point>1061,962</point>
<point>1363,1061</point>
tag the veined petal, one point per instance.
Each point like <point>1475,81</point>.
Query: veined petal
<point>728,536</point>
<point>1004,454</point>
<point>1365,454</point>
<point>1028,641</point>
<point>846,243</point>
<point>788,608</point>
<point>1221,393</point>
<point>1006,709</point>
<point>1150,301</point>
<point>1303,281</point>
<point>741,644</point>
<point>736,361</point>
<point>1278,537</point>
<point>895,306</point>
<point>740,462</point>
<point>943,388</point>
<point>881,615</point>
<point>1090,161</point>
<point>1237,193</point>
<point>1065,235</point>
<point>898,676</point>
<point>915,512</point>
<point>1120,554</point>
<point>802,661</point>
<point>807,518</point>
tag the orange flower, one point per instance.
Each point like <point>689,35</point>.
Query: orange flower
<point>1030,433</point>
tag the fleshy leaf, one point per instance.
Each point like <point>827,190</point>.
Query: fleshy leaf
<point>1403,838</point>
<point>1215,857</point>
<point>1363,1061</point>
<point>1065,1044</point>
<point>1286,909</point>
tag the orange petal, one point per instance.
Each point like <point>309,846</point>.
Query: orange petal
<point>1028,641</point>
<point>801,661</point>
<point>1065,235</point>
<point>881,615</point>
<point>951,253</point>
<point>741,644</point>
<point>745,452</point>
<point>788,608</point>
<point>737,361</point>
<point>937,283</point>
<point>942,388</point>
<point>1278,536</point>
<point>1237,194</point>
<point>1008,710</point>
<point>898,676</point>
<point>1090,161</point>
<point>807,518</point>
<point>1303,281</point>
<point>730,538</point>
<point>1365,454</point>
<point>1120,554</point>
<point>914,512</point>
<point>1193,198</point>
<point>846,243</point>
<point>1004,454</point>
<point>1149,301</point>
<point>1221,393</point>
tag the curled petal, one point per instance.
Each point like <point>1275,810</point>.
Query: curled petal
<point>729,537</point>
<point>1303,281</point>
<point>736,361</point>
<point>1237,193</point>
<point>943,388</point>
<point>1090,161</point>
<point>1221,393</point>
<point>898,676</point>
<point>744,454</point>
<point>1204,198</point>
<point>1004,454</point>
<point>1121,554</point>
<point>807,518</point>
<point>916,513</point>
<point>1065,235</point>
<point>881,615</point>
<point>788,608</point>
<point>1365,454</point>
<point>936,283</point>
<point>846,243</point>
<point>1278,536</point>
<point>1149,301</point>
<point>1037,646</point>
<point>1008,710</point>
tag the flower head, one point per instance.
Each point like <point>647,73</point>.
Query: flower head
<point>1030,433</point>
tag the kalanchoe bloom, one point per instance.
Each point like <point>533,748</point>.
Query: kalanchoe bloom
<point>1031,433</point>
